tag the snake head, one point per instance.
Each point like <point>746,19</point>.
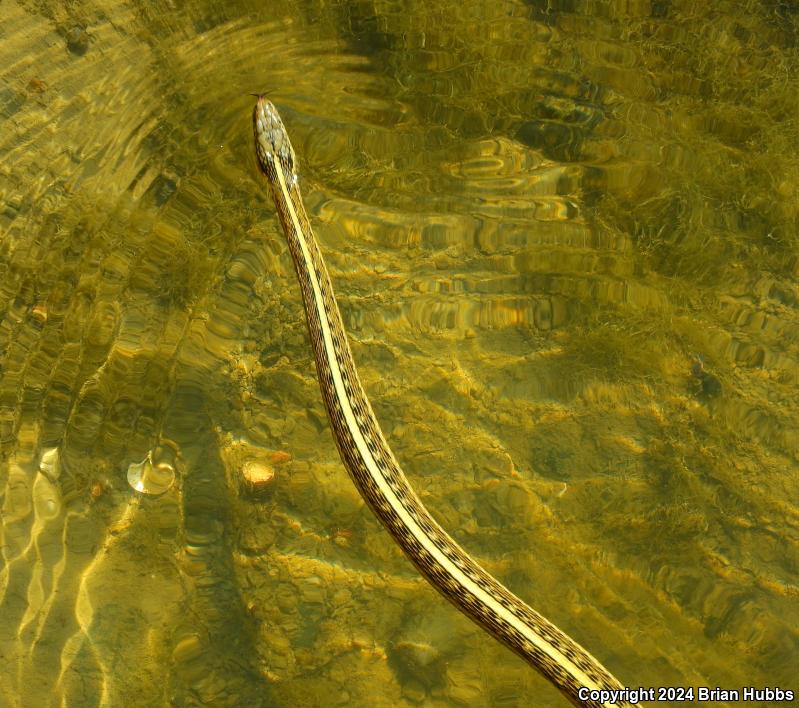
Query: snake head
<point>272,144</point>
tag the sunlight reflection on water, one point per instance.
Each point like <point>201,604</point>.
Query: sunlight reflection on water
<point>563,238</point>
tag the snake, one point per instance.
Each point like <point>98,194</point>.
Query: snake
<point>378,476</point>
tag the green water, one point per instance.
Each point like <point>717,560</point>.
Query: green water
<point>563,236</point>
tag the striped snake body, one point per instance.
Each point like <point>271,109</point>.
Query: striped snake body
<point>373,467</point>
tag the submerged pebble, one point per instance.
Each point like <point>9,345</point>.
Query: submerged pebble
<point>46,498</point>
<point>77,39</point>
<point>50,463</point>
<point>251,467</point>
<point>155,474</point>
<point>257,477</point>
<point>418,662</point>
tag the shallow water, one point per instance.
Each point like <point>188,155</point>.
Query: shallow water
<point>563,237</point>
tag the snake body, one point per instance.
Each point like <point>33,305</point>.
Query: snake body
<point>374,469</point>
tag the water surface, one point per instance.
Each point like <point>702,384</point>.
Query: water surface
<point>563,238</point>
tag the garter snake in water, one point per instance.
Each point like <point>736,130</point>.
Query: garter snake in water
<point>376,472</point>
